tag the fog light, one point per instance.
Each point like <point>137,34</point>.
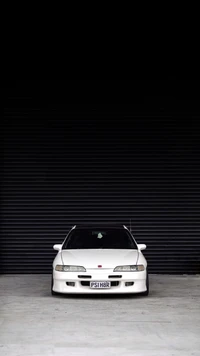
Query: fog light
<point>127,284</point>
<point>71,284</point>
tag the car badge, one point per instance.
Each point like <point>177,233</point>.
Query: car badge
<point>99,266</point>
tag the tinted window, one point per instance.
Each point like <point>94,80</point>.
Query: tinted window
<point>99,238</point>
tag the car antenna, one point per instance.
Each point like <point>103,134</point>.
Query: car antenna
<point>130,225</point>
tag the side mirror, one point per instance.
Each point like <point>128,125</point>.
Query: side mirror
<point>142,247</point>
<point>57,247</point>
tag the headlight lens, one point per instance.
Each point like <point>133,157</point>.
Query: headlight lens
<point>129,268</point>
<point>68,268</point>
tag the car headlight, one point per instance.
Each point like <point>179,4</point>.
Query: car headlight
<point>68,268</point>
<point>129,268</point>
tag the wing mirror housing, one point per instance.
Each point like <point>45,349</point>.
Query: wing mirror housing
<point>57,247</point>
<point>142,247</point>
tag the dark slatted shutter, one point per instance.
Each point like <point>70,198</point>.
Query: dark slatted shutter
<point>63,169</point>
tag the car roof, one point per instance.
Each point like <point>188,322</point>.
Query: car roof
<point>100,225</point>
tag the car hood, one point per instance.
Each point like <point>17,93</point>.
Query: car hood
<point>105,258</point>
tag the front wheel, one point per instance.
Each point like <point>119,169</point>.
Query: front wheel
<point>146,293</point>
<point>52,291</point>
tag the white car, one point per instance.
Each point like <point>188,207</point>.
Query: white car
<point>100,259</point>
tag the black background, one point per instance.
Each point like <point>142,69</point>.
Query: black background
<point>101,151</point>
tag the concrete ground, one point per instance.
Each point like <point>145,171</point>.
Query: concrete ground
<point>33,323</point>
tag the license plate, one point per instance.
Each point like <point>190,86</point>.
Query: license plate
<point>100,285</point>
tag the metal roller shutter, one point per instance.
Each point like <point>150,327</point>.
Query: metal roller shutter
<point>62,168</point>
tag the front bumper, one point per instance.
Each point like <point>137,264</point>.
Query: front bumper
<point>62,281</point>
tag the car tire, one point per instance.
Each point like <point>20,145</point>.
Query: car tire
<point>146,293</point>
<point>52,291</point>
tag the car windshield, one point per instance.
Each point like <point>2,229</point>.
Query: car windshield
<point>109,238</point>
